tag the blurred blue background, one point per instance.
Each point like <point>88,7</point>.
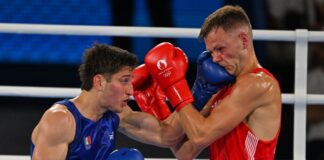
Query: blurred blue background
<point>62,49</point>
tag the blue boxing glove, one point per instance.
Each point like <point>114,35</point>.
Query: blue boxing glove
<point>126,154</point>
<point>210,78</point>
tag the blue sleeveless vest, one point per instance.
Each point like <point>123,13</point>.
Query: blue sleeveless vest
<point>92,140</point>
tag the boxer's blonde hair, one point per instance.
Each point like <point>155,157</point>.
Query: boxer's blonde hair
<point>228,18</point>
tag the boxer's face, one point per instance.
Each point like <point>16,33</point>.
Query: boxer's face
<point>117,91</point>
<point>226,49</point>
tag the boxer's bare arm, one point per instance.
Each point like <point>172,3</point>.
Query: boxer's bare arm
<point>246,97</point>
<point>147,129</point>
<point>53,134</point>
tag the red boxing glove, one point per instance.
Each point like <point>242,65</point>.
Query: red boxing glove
<point>148,94</point>
<point>168,65</point>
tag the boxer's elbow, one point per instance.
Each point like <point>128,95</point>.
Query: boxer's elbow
<point>199,142</point>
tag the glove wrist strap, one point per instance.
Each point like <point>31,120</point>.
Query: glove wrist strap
<point>179,93</point>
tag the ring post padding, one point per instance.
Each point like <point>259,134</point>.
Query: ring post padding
<point>301,48</point>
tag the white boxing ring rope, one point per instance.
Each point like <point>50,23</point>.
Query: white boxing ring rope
<point>62,92</point>
<point>301,37</point>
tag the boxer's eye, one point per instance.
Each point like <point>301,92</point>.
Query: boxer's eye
<point>219,49</point>
<point>125,80</point>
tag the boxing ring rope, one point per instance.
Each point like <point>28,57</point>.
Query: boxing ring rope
<point>159,32</point>
<point>301,37</point>
<point>63,92</point>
